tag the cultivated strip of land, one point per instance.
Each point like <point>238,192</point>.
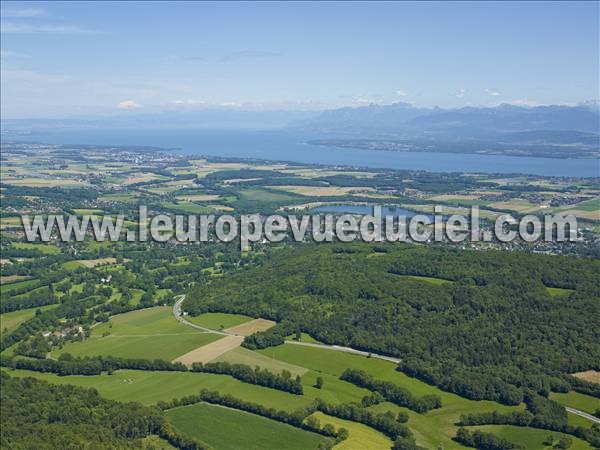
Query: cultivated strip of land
<point>210,351</point>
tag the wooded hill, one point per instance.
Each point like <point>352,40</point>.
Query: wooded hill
<point>480,324</point>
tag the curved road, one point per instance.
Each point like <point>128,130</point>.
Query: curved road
<point>179,316</point>
<point>337,348</point>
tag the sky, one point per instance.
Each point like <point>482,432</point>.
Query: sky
<point>79,59</point>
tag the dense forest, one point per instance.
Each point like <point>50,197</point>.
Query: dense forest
<point>483,324</point>
<point>39,415</point>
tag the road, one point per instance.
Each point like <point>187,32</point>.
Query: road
<point>337,348</point>
<point>582,414</point>
<point>180,318</point>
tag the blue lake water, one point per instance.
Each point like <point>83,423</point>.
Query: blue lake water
<point>284,146</point>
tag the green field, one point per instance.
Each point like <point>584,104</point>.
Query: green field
<point>304,337</point>
<point>149,333</point>
<point>10,321</point>
<point>124,197</point>
<point>576,400</point>
<point>218,321</point>
<point>154,442</point>
<point>530,438</point>
<point>264,195</point>
<point>188,207</point>
<point>229,429</point>
<point>588,205</point>
<point>431,429</point>
<point>242,355</point>
<point>431,280</point>
<point>149,387</point>
<point>558,292</point>
<point>88,212</point>
<point>18,285</point>
<point>359,436</point>
<point>43,248</point>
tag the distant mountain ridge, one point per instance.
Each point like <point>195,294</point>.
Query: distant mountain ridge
<point>405,120</point>
<point>543,131</point>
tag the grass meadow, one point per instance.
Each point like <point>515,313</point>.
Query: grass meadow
<point>149,333</point>
<point>229,429</point>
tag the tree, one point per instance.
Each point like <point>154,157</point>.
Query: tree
<point>319,383</point>
<point>564,443</point>
<point>313,423</point>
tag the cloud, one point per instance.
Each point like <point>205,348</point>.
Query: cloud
<point>11,54</point>
<point>493,92</point>
<point>128,104</point>
<point>401,93</point>
<point>23,12</point>
<point>460,94</point>
<point>188,102</point>
<point>28,28</point>
<point>523,102</point>
<point>230,104</point>
<point>248,54</point>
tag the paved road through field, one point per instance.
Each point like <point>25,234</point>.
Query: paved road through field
<point>179,316</point>
<point>338,348</point>
<point>583,414</point>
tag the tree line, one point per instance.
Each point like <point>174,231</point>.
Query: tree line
<point>95,365</point>
<point>385,423</point>
<point>391,392</point>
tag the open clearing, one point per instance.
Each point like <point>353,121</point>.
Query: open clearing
<point>19,285</point>
<point>13,278</point>
<point>149,387</point>
<point>360,436</point>
<point>153,442</point>
<point>576,400</point>
<point>558,292</point>
<point>86,212</point>
<point>218,321</point>
<point>323,191</point>
<point>454,197</point>
<point>120,197</point>
<point>43,248</point>
<point>431,429</point>
<point>590,215</point>
<point>242,355</point>
<point>147,333</point>
<point>142,177</point>
<point>11,320</point>
<point>229,429</point>
<point>198,197</point>
<point>259,195</point>
<point>10,222</point>
<point>210,351</point>
<point>430,280</point>
<point>530,438</point>
<point>43,182</point>
<point>518,205</point>
<point>90,263</point>
<point>248,328</point>
<point>589,375</point>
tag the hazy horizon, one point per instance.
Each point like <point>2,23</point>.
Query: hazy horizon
<point>66,60</point>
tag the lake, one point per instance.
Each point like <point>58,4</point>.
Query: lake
<point>285,146</point>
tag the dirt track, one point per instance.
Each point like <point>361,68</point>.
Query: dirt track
<point>210,351</point>
<point>246,329</point>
